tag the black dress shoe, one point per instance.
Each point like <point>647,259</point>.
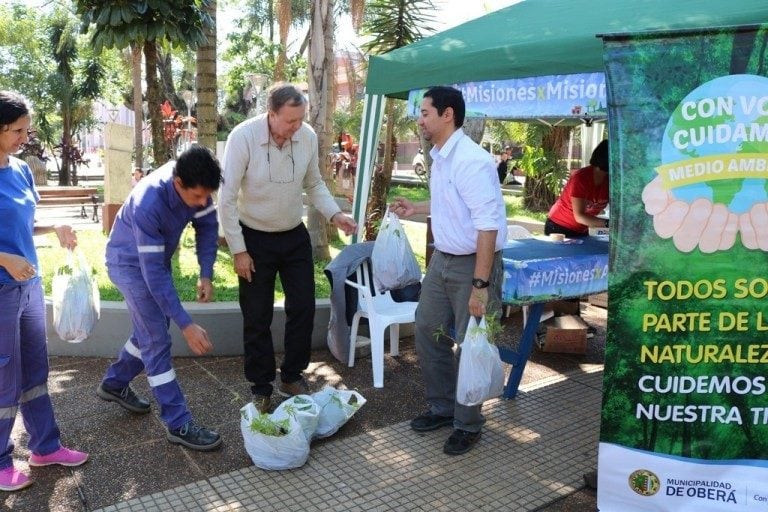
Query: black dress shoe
<point>125,397</point>
<point>429,421</point>
<point>195,437</point>
<point>460,442</point>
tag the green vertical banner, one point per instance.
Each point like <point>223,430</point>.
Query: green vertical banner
<point>685,398</point>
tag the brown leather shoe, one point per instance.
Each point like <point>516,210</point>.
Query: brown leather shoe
<point>262,403</point>
<point>293,388</point>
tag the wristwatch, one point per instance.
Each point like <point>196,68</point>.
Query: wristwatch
<point>479,283</point>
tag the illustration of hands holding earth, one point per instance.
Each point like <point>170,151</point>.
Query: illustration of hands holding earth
<point>711,184</point>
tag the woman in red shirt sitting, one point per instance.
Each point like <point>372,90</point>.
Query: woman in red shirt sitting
<point>583,198</point>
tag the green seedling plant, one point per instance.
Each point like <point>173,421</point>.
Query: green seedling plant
<point>264,424</point>
<point>492,329</point>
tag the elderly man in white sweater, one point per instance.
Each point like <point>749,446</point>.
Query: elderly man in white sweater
<point>270,160</point>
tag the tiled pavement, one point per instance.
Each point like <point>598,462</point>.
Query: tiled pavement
<point>532,456</point>
<point>534,449</point>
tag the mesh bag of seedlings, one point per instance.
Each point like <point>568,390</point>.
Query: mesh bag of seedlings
<point>273,443</point>
<point>336,407</point>
<point>75,299</point>
<point>304,409</point>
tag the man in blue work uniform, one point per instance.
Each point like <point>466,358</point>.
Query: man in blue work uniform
<point>144,237</point>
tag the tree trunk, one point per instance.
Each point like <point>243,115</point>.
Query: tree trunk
<point>377,204</point>
<point>206,86</point>
<point>165,79</point>
<point>66,174</point>
<point>160,150</point>
<point>320,64</point>
<point>39,171</point>
<point>474,128</point>
<point>284,18</point>
<point>138,107</point>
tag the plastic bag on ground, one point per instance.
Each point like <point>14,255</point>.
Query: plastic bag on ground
<point>304,409</point>
<point>273,443</point>
<point>75,297</point>
<point>481,374</point>
<point>394,264</point>
<point>336,407</point>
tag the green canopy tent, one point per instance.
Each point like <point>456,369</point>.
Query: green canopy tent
<point>531,38</point>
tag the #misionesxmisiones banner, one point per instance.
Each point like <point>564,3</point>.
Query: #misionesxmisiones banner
<point>685,404</point>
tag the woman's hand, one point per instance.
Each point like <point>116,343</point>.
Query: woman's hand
<point>18,267</point>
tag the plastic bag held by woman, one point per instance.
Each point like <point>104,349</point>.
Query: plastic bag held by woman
<point>393,261</point>
<point>76,303</point>
<point>481,374</point>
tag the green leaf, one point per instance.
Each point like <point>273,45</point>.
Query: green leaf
<point>127,14</point>
<point>116,18</point>
<point>104,16</point>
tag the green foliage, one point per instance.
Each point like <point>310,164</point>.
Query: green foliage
<point>251,53</point>
<point>118,23</point>
<point>492,330</point>
<point>396,23</point>
<point>264,424</point>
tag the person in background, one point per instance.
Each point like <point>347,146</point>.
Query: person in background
<point>144,238</point>
<point>270,161</point>
<point>513,175</point>
<point>464,276</point>
<point>23,349</point>
<point>583,198</point>
<point>501,168</point>
<point>138,173</point>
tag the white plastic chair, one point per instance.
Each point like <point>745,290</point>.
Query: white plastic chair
<point>381,311</point>
<point>517,232</point>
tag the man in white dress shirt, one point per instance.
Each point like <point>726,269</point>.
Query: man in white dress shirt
<point>465,273</point>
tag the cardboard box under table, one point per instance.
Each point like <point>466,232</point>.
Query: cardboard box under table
<point>538,270</point>
<point>564,334</point>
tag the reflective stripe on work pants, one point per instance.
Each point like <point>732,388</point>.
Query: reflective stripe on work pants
<point>148,348</point>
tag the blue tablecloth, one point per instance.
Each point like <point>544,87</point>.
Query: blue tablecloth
<point>539,270</point>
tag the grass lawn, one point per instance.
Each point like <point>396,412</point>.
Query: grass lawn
<point>186,270</point>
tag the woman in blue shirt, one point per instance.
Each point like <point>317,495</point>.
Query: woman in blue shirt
<point>23,352</point>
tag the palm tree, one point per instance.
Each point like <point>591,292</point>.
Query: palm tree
<point>206,85</point>
<point>74,96</point>
<point>118,23</point>
<point>391,24</point>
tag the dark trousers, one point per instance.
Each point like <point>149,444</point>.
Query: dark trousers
<point>553,227</point>
<point>289,255</point>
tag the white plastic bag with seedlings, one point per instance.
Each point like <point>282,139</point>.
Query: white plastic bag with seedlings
<point>75,298</point>
<point>337,406</point>
<point>394,264</point>
<point>304,409</point>
<point>481,374</point>
<point>273,443</point>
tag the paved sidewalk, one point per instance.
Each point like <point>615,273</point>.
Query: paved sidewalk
<point>532,456</point>
<point>534,449</point>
